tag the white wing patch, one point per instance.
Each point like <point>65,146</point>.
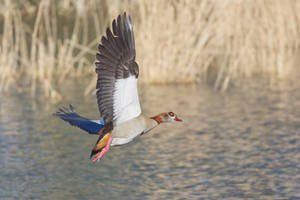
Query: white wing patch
<point>126,100</point>
<point>98,121</point>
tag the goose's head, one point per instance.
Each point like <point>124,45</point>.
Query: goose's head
<point>166,117</point>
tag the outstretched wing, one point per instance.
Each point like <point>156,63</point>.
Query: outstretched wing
<point>69,115</point>
<point>117,93</point>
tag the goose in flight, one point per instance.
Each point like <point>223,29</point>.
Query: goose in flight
<point>117,93</point>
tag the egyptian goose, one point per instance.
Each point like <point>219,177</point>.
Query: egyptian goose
<point>117,93</point>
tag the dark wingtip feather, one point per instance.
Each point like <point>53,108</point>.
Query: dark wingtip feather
<point>125,17</point>
<point>114,27</point>
<point>129,19</point>
<point>119,19</point>
<point>71,108</point>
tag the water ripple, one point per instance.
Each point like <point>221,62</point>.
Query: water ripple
<point>244,144</point>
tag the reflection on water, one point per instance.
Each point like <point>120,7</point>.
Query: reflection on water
<point>244,144</point>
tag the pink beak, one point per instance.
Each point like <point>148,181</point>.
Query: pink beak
<point>177,119</point>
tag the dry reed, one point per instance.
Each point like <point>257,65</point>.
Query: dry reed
<point>182,41</point>
<point>36,56</point>
<point>222,40</point>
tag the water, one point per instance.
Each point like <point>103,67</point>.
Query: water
<point>243,144</point>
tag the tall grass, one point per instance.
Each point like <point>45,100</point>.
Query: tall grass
<point>183,41</point>
<point>222,40</point>
<point>35,55</point>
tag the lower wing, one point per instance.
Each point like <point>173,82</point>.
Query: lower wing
<point>69,115</point>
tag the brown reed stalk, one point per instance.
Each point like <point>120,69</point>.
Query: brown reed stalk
<point>183,41</point>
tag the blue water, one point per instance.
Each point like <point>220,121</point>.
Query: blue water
<point>242,144</point>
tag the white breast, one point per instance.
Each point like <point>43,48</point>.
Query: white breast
<point>120,141</point>
<point>127,131</point>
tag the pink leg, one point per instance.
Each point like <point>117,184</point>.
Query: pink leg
<point>100,154</point>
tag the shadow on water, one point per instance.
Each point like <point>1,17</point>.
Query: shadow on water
<point>240,144</point>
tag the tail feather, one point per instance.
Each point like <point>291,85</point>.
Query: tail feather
<point>69,115</point>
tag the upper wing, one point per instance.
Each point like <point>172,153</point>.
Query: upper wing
<point>117,71</point>
<point>69,115</point>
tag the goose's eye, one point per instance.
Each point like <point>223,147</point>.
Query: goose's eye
<point>171,114</point>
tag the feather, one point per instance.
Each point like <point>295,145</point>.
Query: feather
<point>69,115</point>
<point>117,94</point>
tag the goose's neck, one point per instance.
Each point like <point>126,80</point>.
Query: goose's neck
<point>157,118</point>
<point>151,123</point>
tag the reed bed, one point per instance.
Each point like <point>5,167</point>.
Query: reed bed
<point>220,40</point>
<point>35,55</point>
<point>183,41</point>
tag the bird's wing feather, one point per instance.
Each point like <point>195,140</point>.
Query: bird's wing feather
<point>126,100</point>
<point>69,115</point>
<point>117,93</point>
